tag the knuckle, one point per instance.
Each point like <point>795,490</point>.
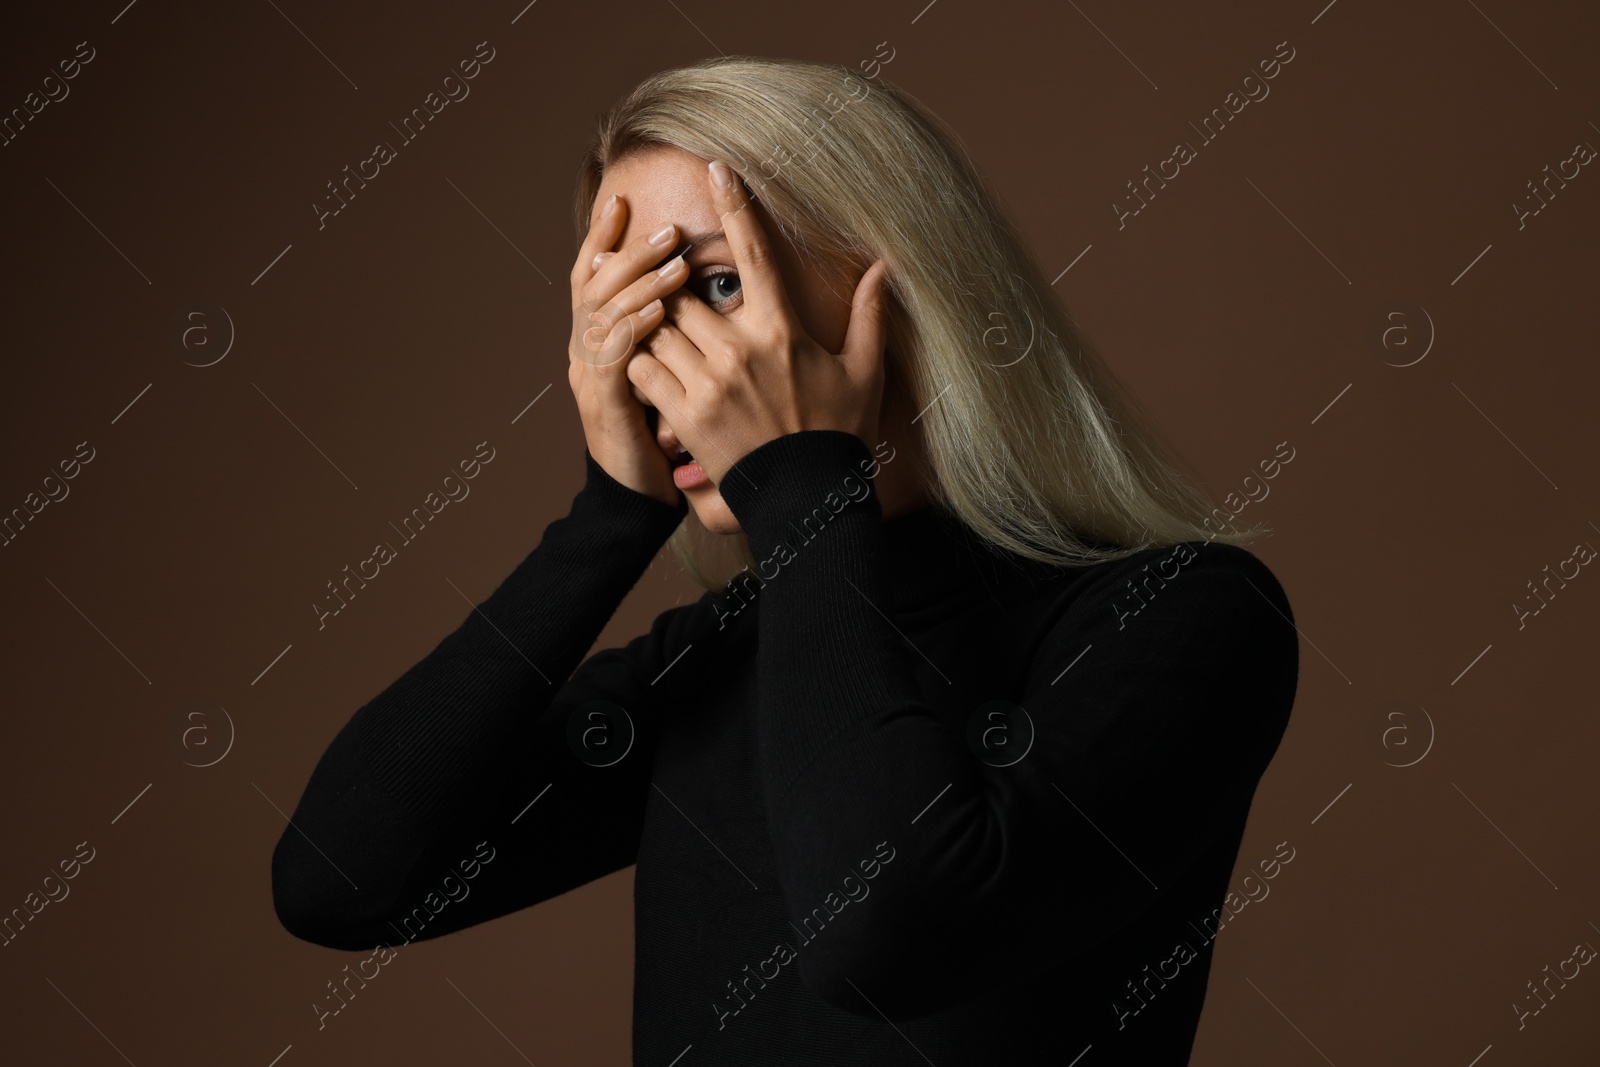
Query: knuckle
<point>758,254</point>
<point>594,338</point>
<point>626,332</point>
<point>606,315</point>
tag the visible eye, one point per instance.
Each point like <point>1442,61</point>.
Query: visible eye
<point>720,289</point>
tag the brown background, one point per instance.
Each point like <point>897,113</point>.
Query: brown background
<point>1242,306</point>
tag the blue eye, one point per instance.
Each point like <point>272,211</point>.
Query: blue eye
<point>720,289</point>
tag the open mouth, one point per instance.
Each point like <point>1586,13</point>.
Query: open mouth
<point>682,459</point>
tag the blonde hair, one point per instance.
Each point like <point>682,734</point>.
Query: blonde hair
<point>1039,450</point>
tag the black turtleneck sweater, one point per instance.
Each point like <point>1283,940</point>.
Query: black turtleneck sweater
<point>908,798</point>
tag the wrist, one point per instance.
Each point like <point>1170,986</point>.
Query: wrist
<point>801,482</point>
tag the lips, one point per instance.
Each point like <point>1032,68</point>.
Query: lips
<point>688,474</point>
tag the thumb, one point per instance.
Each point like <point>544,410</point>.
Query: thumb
<point>867,333</point>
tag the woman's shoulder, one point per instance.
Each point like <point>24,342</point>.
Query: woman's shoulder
<point>1180,619</point>
<point>1171,562</point>
<point>1182,588</point>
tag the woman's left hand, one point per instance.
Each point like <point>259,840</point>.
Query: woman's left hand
<point>727,387</point>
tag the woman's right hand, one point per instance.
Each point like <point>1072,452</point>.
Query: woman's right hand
<point>614,306</point>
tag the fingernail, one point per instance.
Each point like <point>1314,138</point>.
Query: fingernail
<point>662,236</point>
<point>721,174</point>
<point>651,308</point>
<point>601,258</point>
<point>674,265</point>
<point>611,205</point>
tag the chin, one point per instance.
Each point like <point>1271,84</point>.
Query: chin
<point>712,511</point>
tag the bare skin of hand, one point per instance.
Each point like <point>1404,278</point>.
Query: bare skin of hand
<point>616,302</point>
<point>728,386</point>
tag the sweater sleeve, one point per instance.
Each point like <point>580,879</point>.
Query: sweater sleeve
<point>1147,717</point>
<point>485,779</point>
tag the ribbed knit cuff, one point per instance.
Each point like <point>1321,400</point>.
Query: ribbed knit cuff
<point>596,553</point>
<point>626,506</point>
<point>793,488</point>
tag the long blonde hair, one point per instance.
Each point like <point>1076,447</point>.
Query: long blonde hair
<point>1030,438</point>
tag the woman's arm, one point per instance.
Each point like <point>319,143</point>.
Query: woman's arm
<point>453,753</point>
<point>1143,752</point>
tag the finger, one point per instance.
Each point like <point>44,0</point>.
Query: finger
<point>603,347</point>
<point>673,351</point>
<point>706,329</point>
<point>867,333</point>
<point>752,253</point>
<point>657,374</point>
<point>603,233</point>
<point>661,388</point>
<point>616,272</point>
<point>656,284</point>
<point>679,355</point>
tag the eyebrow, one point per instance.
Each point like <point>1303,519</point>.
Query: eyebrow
<point>685,247</point>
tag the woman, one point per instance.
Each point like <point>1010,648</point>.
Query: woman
<point>975,793</point>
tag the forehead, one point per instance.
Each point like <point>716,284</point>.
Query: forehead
<point>661,184</point>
